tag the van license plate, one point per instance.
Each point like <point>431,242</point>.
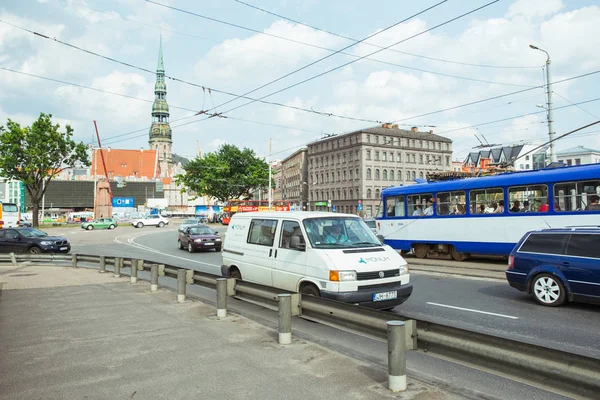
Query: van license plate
<point>385,296</point>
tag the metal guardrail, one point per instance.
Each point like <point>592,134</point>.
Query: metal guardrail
<point>558,371</point>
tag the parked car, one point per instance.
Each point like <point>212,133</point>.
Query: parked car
<point>100,223</point>
<point>31,240</point>
<point>557,265</point>
<point>199,237</point>
<point>150,220</point>
<point>188,223</point>
<point>23,223</point>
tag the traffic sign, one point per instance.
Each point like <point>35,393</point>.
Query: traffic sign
<point>333,208</point>
<point>359,201</point>
<point>359,207</point>
<point>329,203</point>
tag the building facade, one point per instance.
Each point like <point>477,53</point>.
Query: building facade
<point>578,156</point>
<point>346,173</point>
<point>524,157</point>
<point>161,135</point>
<point>294,179</point>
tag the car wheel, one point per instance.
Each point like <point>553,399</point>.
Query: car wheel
<point>236,274</point>
<point>311,290</point>
<point>548,290</point>
<point>111,227</point>
<point>190,248</point>
<point>35,250</point>
<point>139,225</point>
<point>218,249</point>
<point>161,224</point>
<point>89,227</point>
<point>179,245</point>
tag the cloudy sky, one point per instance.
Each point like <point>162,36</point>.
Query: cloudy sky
<point>482,55</point>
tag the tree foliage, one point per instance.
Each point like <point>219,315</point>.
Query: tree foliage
<point>229,173</point>
<point>36,154</point>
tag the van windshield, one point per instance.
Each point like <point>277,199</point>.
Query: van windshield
<point>339,232</point>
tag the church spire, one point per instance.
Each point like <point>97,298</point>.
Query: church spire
<point>161,64</point>
<point>160,131</point>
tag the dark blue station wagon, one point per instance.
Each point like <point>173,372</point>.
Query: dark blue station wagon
<point>557,265</point>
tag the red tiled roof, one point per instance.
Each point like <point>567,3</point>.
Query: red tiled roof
<point>167,181</point>
<point>126,163</point>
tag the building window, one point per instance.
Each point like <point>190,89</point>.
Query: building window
<point>345,196</point>
<point>385,175</point>
<point>368,173</point>
<point>338,176</point>
<point>420,158</point>
<point>420,143</point>
<point>351,194</point>
<point>351,175</point>
<point>391,156</point>
<point>569,162</point>
<point>376,156</point>
<point>344,156</point>
<point>391,175</point>
<point>368,138</point>
<point>376,139</point>
<point>414,175</point>
<point>408,175</point>
<point>376,193</point>
<point>448,161</point>
<point>526,158</point>
<point>357,176</point>
<point>322,180</point>
<point>339,195</point>
<point>399,158</point>
<point>338,157</point>
<point>368,193</point>
<point>578,161</point>
<point>421,174</point>
<point>327,178</point>
<point>414,158</point>
<point>384,156</point>
<point>344,175</point>
<point>377,176</point>
<point>368,154</point>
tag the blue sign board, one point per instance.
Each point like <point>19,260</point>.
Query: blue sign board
<point>359,207</point>
<point>333,208</point>
<point>122,202</point>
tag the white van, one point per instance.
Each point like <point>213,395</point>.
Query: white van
<point>335,256</point>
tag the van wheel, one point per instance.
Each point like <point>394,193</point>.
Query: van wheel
<point>236,274</point>
<point>548,290</point>
<point>458,256</point>
<point>420,250</point>
<point>310,289</point>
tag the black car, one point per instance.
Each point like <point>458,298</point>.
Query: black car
<point>199,237</point>
<point>31,240</point>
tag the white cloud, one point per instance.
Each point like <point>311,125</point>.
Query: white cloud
<point>534,8</point>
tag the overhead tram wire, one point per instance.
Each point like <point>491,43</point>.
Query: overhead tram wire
<point>374,45</point>
<point>362,57</point>
<point>332,54</point>
<point>312,111</point>
<point>331,50</point>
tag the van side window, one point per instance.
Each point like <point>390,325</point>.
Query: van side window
<point>262,231</point>
<point>581,245</point>
<point>291,235</point>
<point>545,243</point>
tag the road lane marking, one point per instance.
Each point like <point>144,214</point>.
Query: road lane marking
<point>131,242</point>
<point>471,310</point>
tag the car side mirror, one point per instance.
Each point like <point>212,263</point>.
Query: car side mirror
<point>381,238</point>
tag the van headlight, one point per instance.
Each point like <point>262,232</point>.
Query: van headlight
<point>340,276</point>
<point>404,269</point>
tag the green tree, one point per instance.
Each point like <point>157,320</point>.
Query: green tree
<point>229,173</point>
<point>37,154</point>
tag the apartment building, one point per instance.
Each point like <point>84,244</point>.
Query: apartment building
<point>294,177</point>
<point>346,173</point>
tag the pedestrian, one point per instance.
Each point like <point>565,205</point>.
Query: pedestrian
<point>526,206</point>
<point>418,211</point>
<point>593,206</point>
<point>516,206</point>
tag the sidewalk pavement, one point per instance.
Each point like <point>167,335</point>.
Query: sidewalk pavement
<point>70,333</point>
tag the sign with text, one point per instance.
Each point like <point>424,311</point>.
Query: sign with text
<point>320,204</point>
<point>122,202</point>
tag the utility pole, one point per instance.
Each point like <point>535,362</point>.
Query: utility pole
<point>549,105</point>
<point>270,175</point>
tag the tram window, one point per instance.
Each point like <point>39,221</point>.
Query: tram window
<point>528,199</point>
<point>451,203</point>
<point>577,196</point>
<point>486,201</point>
<point>420,205</point>
<point>394,206</point>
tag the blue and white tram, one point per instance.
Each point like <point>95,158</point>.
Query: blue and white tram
<point>487,215</point>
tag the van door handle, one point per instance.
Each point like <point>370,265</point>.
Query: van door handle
<point>270,252</point>
<point>566,263</point>
<point>275,253</point>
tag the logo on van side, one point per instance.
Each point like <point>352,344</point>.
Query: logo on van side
<point>238,227</point>
<point>372,259</point>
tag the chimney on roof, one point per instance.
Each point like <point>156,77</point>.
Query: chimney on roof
<point>431,131</point>
<point>395,126</point>
<point>414,129</point>
<point>387,126</point>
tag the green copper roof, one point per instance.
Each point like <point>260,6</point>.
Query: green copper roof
<point>161,65</point>
<point>160,106</point>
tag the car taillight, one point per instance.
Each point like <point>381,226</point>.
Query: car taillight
<point>511,262</point>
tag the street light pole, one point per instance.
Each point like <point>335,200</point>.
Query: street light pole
<point>549,94</point>
<point>270,177</point>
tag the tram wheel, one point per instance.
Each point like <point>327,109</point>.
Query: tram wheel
<point>420,250</point>
<point>458,256</point>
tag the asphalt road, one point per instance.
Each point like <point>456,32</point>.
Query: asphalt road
<point>484,305</point>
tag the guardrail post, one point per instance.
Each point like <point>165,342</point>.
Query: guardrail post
<point>74,258</point>
<point>181,282</point>
<point>154,280</point>
<point>285,318</point>
<point>134,270</point>
<point>102,264</point>
<point>13,259</point>
<point>396,356</point>
<point>221,297</point>
<point>118,264</point>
